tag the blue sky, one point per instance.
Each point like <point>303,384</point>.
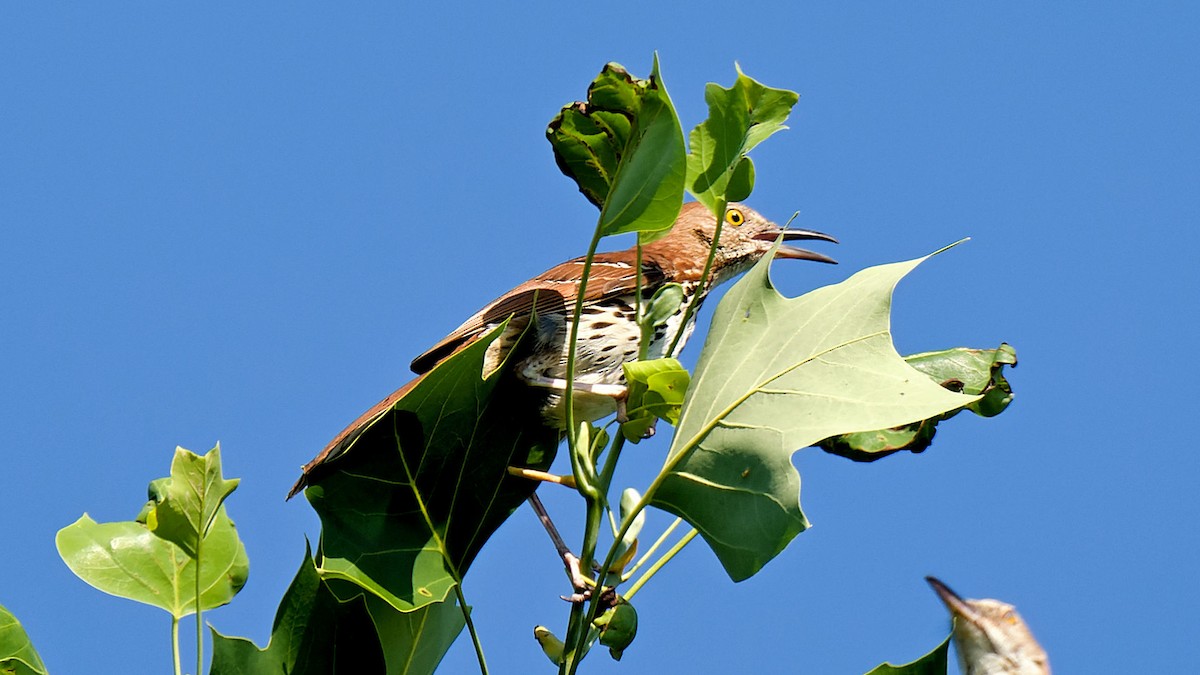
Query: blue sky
<point>240,223</point>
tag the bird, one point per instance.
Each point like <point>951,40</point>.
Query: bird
<point>991,638</point>
<point>609,333</point>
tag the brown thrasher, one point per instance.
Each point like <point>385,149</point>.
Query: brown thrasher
<point>991,637</point>
<point>608,331</point>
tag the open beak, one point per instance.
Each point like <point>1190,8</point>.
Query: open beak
<point>794,253</point>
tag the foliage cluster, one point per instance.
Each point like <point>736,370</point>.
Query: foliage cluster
<point>419,491</point>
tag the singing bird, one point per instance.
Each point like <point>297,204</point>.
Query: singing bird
<point>991,638</point>
<point>608,330</point>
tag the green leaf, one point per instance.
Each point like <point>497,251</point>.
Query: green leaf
<point>656,391</point>
<point>551,646</point>
<point>777,374</point>
<point>970,371</point>
<point>415,642</point>
<point>624,148</point>
<point>618,628</point>
<point>17,655</point>
<point>314,633</point>
<point>127,560</point>
<point>739,118</point>
<point>184,505</point>
<point>408,506</point>
<point>933,663</point>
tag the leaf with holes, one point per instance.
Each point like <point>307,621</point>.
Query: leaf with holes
<point>625,150</point>
<point>778,374</point>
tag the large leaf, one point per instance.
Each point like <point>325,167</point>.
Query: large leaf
<point>970,371</point>
<point>624,148</point>
<point>778,374</point>
<point>127,560</point>
<point>17,655</point>
<point>933,663</point>
<point>311,630</point>
<point>415,642</point>
<point>404,512</point>
<point>739,118</point>
<point>315,632</point>
<point>184,505</point>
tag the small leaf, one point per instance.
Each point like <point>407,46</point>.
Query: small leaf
<point>125,559</point>
<point>662,306</point>
<point>17,655</point>
<point>551,646</point>
<point>778,374</point>
<point>625,150</point>
<point>618,628</point>
<point>656,391</point>
<point>627,547</point>
<point>739,118</point>
<point>970,371</point>
<point>933,663</point>
<point>185,504</point>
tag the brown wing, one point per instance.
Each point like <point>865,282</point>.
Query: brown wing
<point>551,292</point>
<point>346,438</point>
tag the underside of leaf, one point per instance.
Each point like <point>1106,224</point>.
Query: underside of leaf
<point>778,374</point>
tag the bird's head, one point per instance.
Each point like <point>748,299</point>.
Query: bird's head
<point>746,236</point>
<point>991,637</point>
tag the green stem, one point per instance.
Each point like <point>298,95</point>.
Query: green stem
<point>462,603</point>
<point>658,564</point>
<point>199,611</point>
<point>572,350</point>
<point>584,480</point>
<point>653,547</point>
<point>610,461</point>
<point>690,310</point>
<point>575,637</point>
<point>175,644</point>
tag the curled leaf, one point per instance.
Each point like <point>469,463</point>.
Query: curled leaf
<point>624,148</point>
<point>969,371</point>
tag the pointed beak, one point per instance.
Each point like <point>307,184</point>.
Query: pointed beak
<point>794,253</point>
<point>957,606</point>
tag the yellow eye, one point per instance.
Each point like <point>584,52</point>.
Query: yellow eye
<point>734,217</point>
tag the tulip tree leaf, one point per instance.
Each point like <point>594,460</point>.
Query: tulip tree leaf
<point>933,663</point>
<point>317,632</point>
<point>625,150</point>
<point>739,118</point>
<point>185,504</point>
<point>970,371</point>
<point>17,655</point>
<point>415,642</point>
<point>409,504</point>
<point>127,560</point>
<point>778,374</point>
